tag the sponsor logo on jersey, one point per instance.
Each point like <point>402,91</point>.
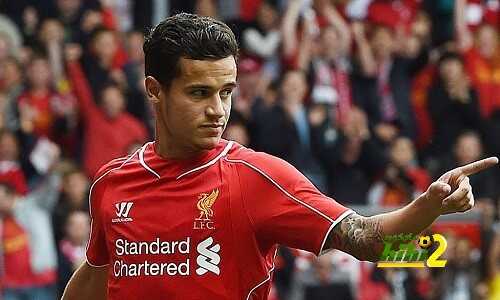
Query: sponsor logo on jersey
<point>208,259</point>
<point>158,257</point>
<point>122,212</point>
<point>204,205</point>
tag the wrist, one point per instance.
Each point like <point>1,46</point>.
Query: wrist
<point>429,206</point>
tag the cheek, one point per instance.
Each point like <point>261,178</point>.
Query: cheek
<point>183,114</point>
<point>227,109</point>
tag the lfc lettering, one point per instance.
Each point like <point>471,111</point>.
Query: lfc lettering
<point>201,224</point>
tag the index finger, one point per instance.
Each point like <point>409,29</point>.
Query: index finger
<point>478,166</point>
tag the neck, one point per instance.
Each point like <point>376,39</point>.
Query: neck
<point>166,148</point>
<point>105,62</point>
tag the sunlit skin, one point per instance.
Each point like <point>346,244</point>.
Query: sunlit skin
<point>192,113</point>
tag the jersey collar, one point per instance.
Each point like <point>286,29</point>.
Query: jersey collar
<point>177,169</point>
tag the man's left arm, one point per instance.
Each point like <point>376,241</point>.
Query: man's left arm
<point>362,236</point>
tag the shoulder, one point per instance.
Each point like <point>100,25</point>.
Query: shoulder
<point>264,165</point>
<point>114,169</point>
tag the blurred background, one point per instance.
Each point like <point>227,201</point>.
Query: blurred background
<point>371,99</point>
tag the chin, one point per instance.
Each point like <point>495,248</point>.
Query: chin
<point>208,143</point>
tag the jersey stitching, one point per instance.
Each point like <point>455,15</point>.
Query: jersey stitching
<point>90,204</point>
<point>208,164</point>
<point>265,279</point>
<point>313,209</point>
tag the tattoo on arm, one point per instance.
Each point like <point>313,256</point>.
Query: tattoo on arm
<point>359,236</point>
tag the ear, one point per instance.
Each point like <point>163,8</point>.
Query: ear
<point>153,89</point>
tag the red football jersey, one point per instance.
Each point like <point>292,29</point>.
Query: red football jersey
<point>204,228</point>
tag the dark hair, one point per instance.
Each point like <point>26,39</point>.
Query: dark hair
<point>185,36</point>
<point>450,55</point>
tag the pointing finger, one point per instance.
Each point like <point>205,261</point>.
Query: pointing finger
<point>478,166</point>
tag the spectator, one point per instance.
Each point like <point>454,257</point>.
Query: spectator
<point>403,178</point>
<point>40,104</point>
<point>329,62</point>
<point>482,58</point>
<point>78,17</point>
<point>461,277</point>
<point>285,130</point>
<point>262,37</point>
<point>452,105</point>
<point>351,151</point>
<point>494,265</point>
<point>100,66</point>
<point>12,87</point>
<point>134,72</point>
<point>72,246</point>
<point>73,197</point>
<point>10,168</point>
<point>29,252</point>
<point>326,276</point>
<point>102,123</point>
<point>381,82</point>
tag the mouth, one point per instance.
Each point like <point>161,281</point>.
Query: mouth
<point>213,125</point>
<point>214,129</point>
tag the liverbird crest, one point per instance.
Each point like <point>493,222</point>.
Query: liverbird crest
<point>205,202</point>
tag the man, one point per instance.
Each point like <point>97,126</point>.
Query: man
<point>191,216</point>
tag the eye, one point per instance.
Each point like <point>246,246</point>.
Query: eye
<point>226,93</point>
<point>199,93</point>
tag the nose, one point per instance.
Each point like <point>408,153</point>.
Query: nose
<point>215,109</point>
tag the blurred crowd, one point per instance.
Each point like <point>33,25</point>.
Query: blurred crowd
<point>371,99</point>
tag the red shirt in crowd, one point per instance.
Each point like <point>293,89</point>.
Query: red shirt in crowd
<point>203,228</point>
<point>17,259</point>
<point>485,76</point>
<point>43,115</point>
<point>12,174</point>
<point>105,137</point>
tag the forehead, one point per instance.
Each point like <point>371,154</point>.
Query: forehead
<point>221,70</point>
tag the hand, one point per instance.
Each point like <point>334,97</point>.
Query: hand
<point>356,125</point>
<point>26,118</point>
<point>317,115</point>
<point>91,20</point>
<point>386,132</point>
<point>358,30</point>
<point>452,192</point>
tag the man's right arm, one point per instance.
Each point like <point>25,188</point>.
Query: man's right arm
<point>87,283</point>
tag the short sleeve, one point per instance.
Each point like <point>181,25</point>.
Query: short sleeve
<point>96,252</point>
<point>284,207</point>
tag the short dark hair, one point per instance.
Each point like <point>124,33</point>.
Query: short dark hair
<point>185,36</point>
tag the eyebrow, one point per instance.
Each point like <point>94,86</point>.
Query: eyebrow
<point>231,84</point>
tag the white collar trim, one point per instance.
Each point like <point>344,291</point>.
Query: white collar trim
<point>208,164</point>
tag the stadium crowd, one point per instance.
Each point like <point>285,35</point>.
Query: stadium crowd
<point>370,99</point>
